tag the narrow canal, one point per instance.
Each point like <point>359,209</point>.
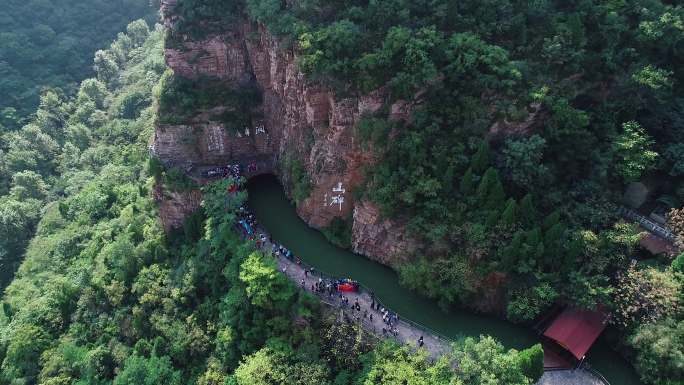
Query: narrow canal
<point>274,211</point>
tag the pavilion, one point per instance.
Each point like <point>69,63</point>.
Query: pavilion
<point>575,331</point>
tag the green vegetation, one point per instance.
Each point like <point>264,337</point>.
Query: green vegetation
<point>586,97</point>
<point>339,232</point>
<point>590,90</point>
<point>531,361</point>
<point>49,45</point>
<point>198,19</point>
<point>633,152</point>
<point>105,297</point>
<point>71,141</point>
<point>172,179</point>
<point>660,346</point>
<point>296,176</point>
<point>181,99</point>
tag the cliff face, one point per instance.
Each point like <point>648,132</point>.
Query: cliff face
<point>300,120</point>
<point>174,207</point>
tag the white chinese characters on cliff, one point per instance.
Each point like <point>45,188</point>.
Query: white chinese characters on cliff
<point>337,197</point>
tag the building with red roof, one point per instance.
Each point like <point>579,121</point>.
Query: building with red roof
<point>575,330</point>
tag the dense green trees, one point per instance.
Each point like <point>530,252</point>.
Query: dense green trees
<point>575,99</point>
<point>531,361</point>
<point>586,93</point>
<point>263,281</point>
<point>200,18</point>
<point>66,143</point>
<point>480,361</point>
<point>104,296</point>
<point>49,45</point>
<point>155,370</point>
<point>645,296</point>
<point>485,361</point>
<point>269,367</point>
<point>660,348</point>
<point>23,352</point>
<point>91,242</point>
<point>181,99</point>
<point>394,365</point>
<point>522,162</point>
<point>633,152</point>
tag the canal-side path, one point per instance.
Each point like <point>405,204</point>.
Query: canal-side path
<point>371,318</point>
<point>406,333</point>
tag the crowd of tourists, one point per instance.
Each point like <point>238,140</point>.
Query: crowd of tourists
<point>229,171</point>
<point>247,224</point>
<point>234,171</point>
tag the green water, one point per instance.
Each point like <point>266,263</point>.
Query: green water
<point>271,207</point>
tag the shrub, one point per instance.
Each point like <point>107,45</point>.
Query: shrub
<point>531,361</point>
<point>339,232</point>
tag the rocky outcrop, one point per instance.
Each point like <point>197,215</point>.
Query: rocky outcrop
<point>174,207</point>
<point>208,143</point>
<point>385,239</point>
<point>222,57</point>
<point>302,120</point>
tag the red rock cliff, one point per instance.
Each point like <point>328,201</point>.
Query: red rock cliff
<point>301,120</point>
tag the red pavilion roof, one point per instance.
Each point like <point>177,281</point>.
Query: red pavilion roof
<point>577,329</point>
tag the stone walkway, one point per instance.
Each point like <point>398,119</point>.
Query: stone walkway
<point>569,377</point>
<point>407,333</point>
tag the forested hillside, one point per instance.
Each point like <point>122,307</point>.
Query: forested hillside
<point>50,44</point>
<point>33,158</point>
<point>46,49</point>
<point>530,120</point>
<point>105,297</point>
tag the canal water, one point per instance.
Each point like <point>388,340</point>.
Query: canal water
<point>274,211</point>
